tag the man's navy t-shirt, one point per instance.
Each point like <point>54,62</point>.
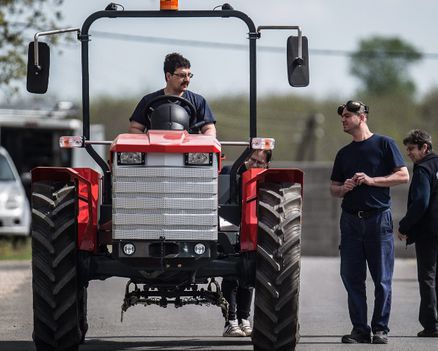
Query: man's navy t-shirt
<point>376,156</point>
<point>203,111</point>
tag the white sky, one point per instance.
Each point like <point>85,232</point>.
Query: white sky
<point>119,68</point>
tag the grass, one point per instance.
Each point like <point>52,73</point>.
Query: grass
<point>13,248</point>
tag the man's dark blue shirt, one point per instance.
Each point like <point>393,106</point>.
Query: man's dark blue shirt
<point>204,115</point>
<point>376,156</point>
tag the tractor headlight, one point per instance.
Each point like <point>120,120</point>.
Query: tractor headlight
<point>198,159</point>
<point>128,249</point>
<point>199,249</point>
<point>130,158</point>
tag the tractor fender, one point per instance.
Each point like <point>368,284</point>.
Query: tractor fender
<point>251,181</point>
<point>86,181</point>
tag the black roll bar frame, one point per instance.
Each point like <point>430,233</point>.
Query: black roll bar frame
<point>252,36</point>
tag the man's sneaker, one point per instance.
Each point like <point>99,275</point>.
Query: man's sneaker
<point>232,329</point>
<point>380,337</point>
<point>245,326</point>
<point>357,337</point>
<point>426,333</point>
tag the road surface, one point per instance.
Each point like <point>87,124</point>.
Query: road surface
<point>323,315</point>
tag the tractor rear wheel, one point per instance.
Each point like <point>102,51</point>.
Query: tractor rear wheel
<point>58,300</point>
<point>276,326</point>
<point>83,323</point>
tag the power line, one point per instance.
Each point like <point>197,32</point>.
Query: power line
<point>241,47</point>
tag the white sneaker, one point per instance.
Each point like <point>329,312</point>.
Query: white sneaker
<point>232,329</point>
<point>245,327</point>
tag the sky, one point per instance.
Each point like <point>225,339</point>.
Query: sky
<point>134,68</point>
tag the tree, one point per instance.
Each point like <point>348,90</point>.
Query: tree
<point>382,66</point>
<point>19,20</point>
<point>428,115</point>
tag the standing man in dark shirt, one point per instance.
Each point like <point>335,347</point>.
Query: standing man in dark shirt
<point>420,225</point>
<point>363,172</point>
<point>177,75</point>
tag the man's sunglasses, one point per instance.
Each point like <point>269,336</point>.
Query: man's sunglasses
<point>353,106</point>
<point>183,75</point>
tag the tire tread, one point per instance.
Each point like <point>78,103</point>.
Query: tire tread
<point>276,326</point>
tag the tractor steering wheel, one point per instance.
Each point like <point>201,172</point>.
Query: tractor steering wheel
<point>170,99</point>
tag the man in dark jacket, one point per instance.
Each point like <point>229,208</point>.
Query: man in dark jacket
<point>420,225</point>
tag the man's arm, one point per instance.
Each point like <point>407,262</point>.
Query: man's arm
<point>398,176</point>
<point>136,128</point>
<point>209,129</point>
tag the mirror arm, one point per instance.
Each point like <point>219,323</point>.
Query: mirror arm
<point>50,32</point>
<point>299,59</point>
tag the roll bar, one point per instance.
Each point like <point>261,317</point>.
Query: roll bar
<point>38,76</point>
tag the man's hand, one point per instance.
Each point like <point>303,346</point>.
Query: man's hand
<point>339,189</point>
<point>401,236</point>
<point>361,178</point>
<point>349,185</point>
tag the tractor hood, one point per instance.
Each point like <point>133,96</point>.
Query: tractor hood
<point>165,141</point>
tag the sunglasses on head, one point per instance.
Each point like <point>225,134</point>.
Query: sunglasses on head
<point>353,106</point>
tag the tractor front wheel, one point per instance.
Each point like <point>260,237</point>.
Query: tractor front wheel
<point>277,281</point>
<point>58,300</point>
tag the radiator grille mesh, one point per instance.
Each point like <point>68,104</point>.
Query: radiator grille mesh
<point>175,202</point>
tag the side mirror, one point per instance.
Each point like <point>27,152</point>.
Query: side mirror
<point>297,68</point>
<point>38,72</point>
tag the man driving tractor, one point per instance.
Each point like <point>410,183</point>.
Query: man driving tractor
<point>177,75</point>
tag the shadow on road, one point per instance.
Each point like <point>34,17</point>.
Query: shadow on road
<point>103,344</point>
<point>175,343</point>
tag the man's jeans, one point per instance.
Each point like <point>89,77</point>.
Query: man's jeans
<point>367,240</point>
<point>239,298</point>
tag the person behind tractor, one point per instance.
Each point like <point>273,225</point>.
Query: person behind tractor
<point>240,297</point>
<point>177,75</point>
<point>362,174</point>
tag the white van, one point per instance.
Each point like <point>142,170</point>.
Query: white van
<point>15,214</point>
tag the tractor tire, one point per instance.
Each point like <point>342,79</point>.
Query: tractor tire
<point>83,323</point>
<point>277,282</point>
<point>58,300</point>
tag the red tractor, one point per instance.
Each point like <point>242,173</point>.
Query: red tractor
<point>154,213</point>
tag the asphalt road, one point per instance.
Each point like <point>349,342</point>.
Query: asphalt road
<point>323,315</point>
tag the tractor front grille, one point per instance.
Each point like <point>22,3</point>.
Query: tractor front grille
<point>173,202</point>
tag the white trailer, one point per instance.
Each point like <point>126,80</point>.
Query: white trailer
<point>32,139</point>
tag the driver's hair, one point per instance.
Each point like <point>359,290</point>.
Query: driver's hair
<point>173,61</point>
